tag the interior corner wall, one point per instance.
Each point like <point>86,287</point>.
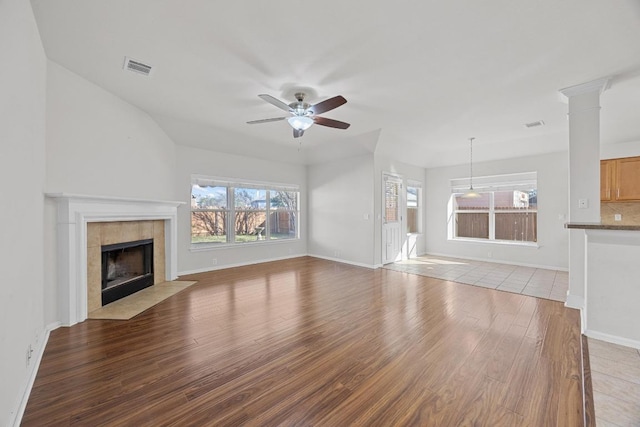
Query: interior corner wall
<point>341,202</point>
<point>22,166</point>
<point>211,163</point>
<point>552,250</point>
<point>407,172</point>
<point>100,145</point>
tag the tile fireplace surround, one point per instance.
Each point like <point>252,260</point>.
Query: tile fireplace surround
<point>74,213</point>
<point>109,233</point>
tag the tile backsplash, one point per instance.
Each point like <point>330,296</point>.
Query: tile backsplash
<point>630,213</point>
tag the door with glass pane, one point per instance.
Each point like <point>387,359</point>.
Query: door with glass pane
<point>392,218</point>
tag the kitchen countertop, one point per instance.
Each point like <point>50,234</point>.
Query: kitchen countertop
<point>599,226</point>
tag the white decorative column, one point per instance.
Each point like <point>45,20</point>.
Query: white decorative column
<point>584,178</point>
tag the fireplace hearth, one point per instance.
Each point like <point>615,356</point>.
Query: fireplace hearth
<point>126,268</point>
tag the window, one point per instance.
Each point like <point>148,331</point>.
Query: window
<point>391,202</point>
<point>209,214</point>
<point>507,209</point>
<point>230,212</point>
<point>283,215</point>
<point>414,193</point>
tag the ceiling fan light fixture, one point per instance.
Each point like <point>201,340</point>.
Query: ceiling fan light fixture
<point>300,122</point>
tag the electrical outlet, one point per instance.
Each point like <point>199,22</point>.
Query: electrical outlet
<point>617,217</point>
<point>214,261</point>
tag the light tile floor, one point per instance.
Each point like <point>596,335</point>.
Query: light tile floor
<point>615,377</point>
<point>537,282</point>
<point>134,304</point>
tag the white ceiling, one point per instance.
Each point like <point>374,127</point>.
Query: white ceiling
<point>420,77</point>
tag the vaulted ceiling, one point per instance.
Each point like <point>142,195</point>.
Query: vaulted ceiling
<point>419,77</point>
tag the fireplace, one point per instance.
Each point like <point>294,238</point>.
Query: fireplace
<point>85,223</point>
<point>126,268</point>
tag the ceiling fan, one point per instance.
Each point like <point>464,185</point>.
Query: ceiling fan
<point>303,114</point>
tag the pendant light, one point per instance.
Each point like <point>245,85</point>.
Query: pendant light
<point>471,193</point>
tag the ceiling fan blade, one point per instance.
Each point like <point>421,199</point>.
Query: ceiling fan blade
<point>327,104</point>
<point>298,133</point>
<point>274,101</point>
<point>276,119</point>
<point>322,121</point>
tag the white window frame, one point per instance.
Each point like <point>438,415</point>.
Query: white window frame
<point>232,184</point>
<point>417,185</point>
<point>490,184</point>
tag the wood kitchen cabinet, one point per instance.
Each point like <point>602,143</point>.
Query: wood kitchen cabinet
<point>606,179</point>
<point>620,180</point>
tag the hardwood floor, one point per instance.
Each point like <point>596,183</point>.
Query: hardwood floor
<point>313,342</point>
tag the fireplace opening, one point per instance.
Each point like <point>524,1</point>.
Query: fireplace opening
<point>126,268</point>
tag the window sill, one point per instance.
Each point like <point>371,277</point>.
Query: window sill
<point>496,242</point>
<point>200,247</point>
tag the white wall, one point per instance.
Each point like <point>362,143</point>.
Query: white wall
<point>22,156</point>
<point>552,250</point>
<point>98,144</point>
<point>612,296</point>
<point>341,193</point>
<point>408,173</point>
<point>205,162</point>
<point>622,149</point>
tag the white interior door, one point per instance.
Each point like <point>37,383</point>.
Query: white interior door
<point>392,218</point>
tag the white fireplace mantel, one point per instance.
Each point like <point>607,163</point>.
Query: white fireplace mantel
<point>74,212</point>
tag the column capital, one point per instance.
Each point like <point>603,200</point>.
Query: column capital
<point>599,85</point>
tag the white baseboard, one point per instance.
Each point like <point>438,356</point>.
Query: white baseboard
<point>243,264</point>
<point>344,261</point>
<point>238,264</point>
<point>574,301</point>
<point>33,371</point>
<point>498,261</point>
<point>612,339</point>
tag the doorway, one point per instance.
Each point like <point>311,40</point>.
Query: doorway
<point>392,218</point>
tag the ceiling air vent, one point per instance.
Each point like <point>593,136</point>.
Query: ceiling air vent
<point>137,66</point>
<point>534,124</point>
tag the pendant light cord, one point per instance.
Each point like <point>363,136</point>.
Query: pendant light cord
<point>471,163</point>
